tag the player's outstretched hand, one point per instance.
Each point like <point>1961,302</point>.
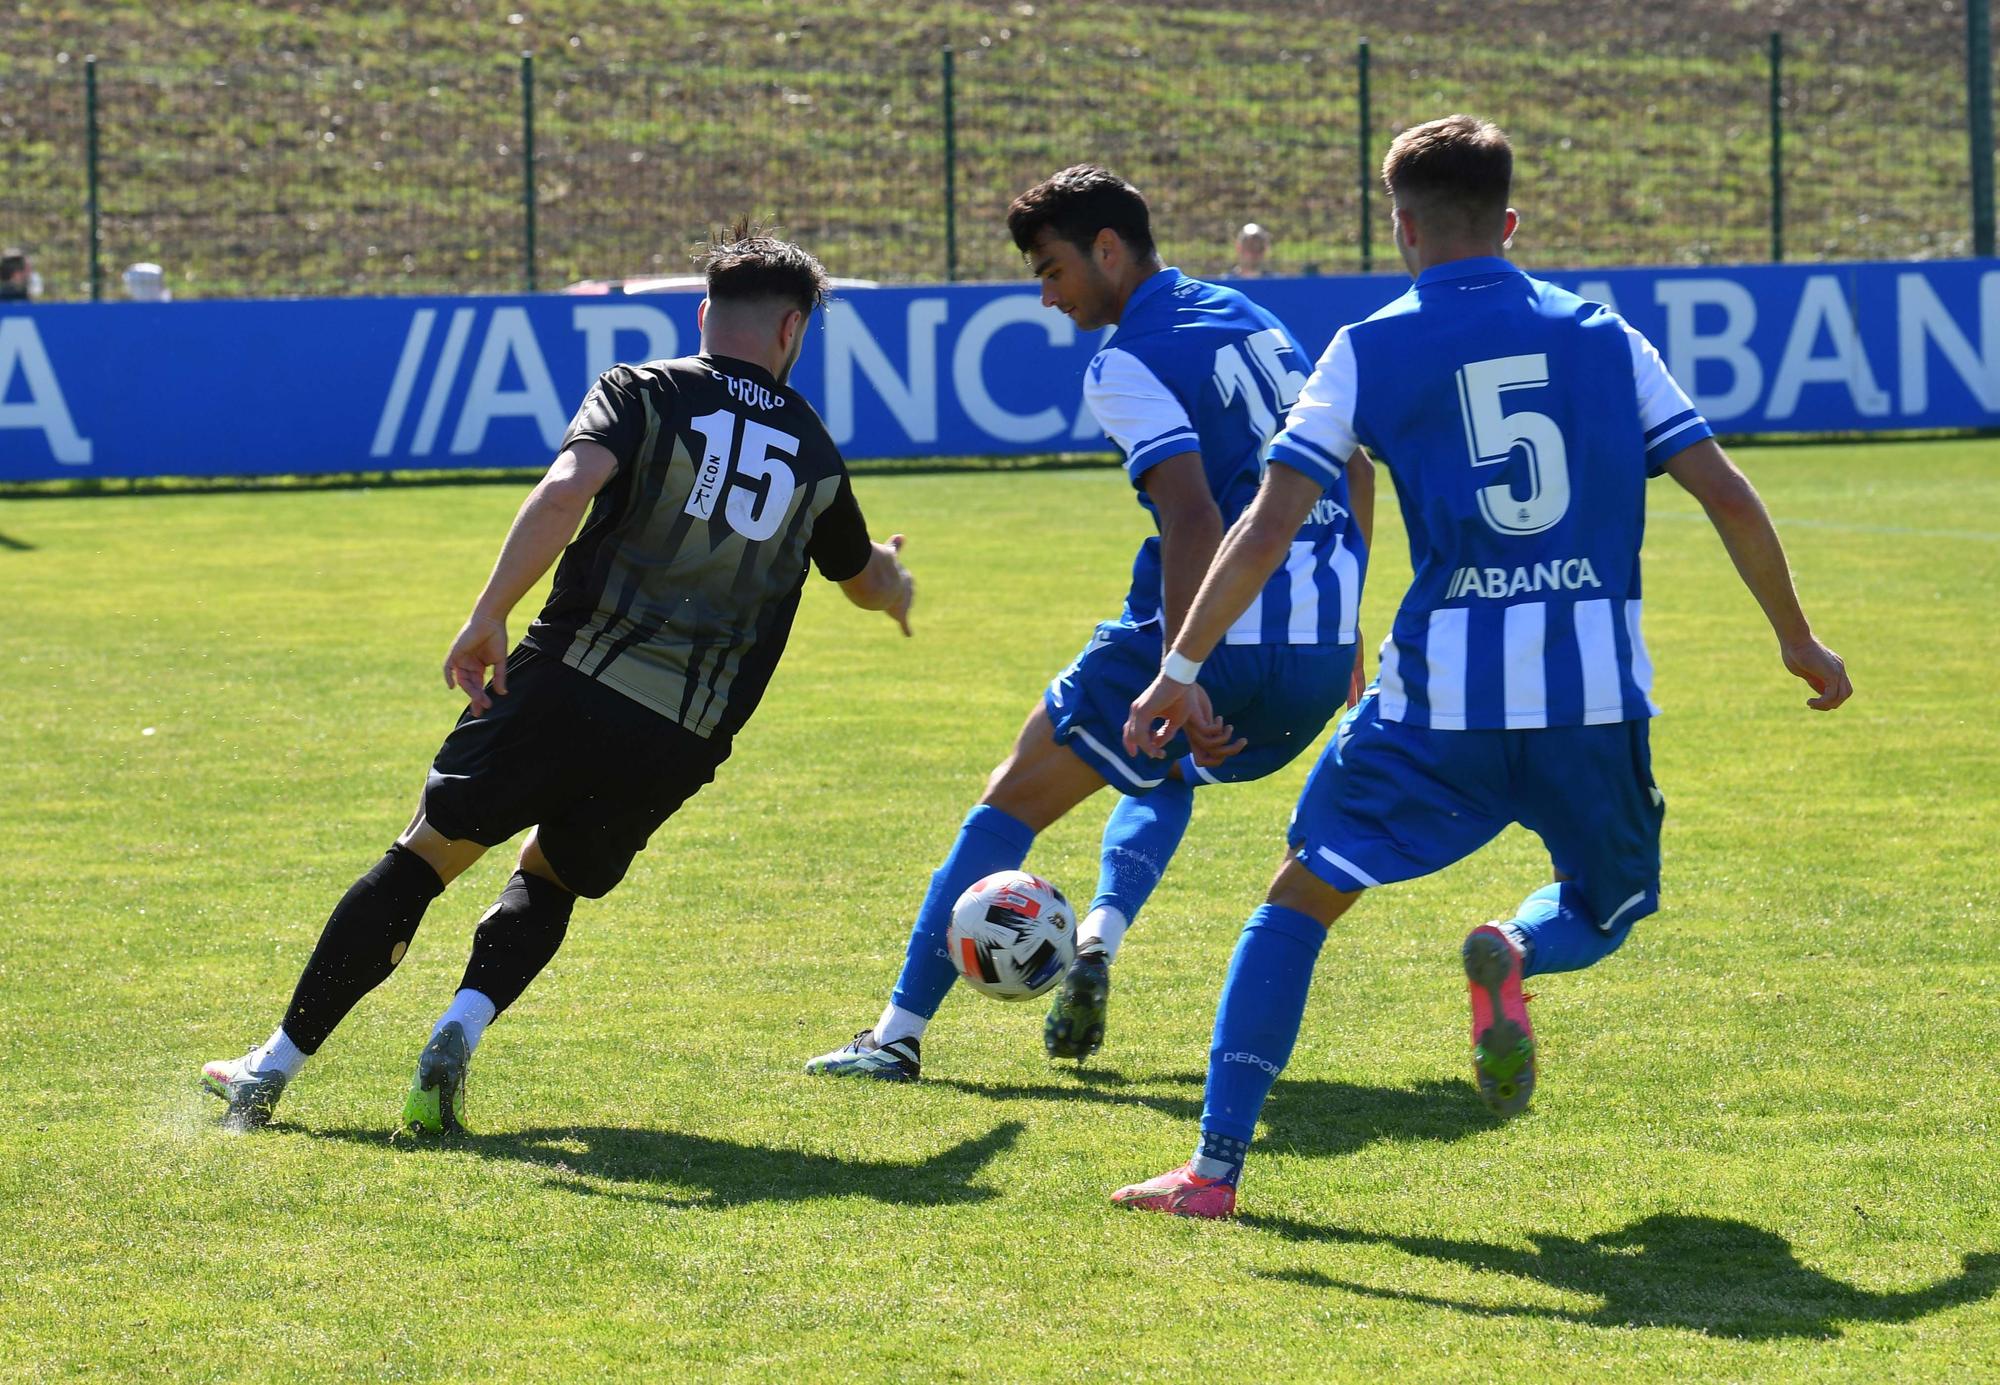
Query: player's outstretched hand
<point>481,645</point>
<point>1823,669</point>
<point>906,597</point>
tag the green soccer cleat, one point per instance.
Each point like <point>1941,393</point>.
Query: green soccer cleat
<point>900,1061</point>
<point>251,1096</point>
<point>437,1093</point>
<point>1075,1026</point>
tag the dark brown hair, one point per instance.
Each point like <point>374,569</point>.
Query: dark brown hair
<point>1076,204</point>
<point>744,264</point>
<point>1459,167</point>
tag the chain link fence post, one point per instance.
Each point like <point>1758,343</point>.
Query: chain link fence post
<point>1365,141</point>
<point>90,175</point>
<point>1777,147</point>
<point>1979,119</point>
<point>528,172</point>
<point>950,166</point>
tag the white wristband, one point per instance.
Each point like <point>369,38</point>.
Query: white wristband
<point>1180,668</point>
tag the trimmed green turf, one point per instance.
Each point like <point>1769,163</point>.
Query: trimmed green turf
<point>1762,1145</point>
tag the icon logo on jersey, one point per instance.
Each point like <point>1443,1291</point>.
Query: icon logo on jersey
<point>1557,575</point>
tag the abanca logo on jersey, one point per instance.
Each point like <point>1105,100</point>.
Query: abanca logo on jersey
<point>1560,574</point>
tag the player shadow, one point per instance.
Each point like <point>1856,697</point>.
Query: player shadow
<point>14,545</point>
<point>705,1171</point>
<point>1308,1115</point>
<point>1714,1275</point>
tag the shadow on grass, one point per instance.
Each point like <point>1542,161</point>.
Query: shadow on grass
<point>1312,1116</point>
<point>721,1173</point>
<point>14,545</point>
<point>1713,1275</point>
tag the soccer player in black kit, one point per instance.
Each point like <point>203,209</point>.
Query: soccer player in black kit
<point>710,485</point>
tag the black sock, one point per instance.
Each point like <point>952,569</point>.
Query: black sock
<point>362,942</point>
<point>516,939</point>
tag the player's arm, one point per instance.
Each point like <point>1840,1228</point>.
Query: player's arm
<point>1739,516</point>
<point>543,527</point>
<point>1361,497</point>
<point>869,574</point>
<point>1252,550</point>
<point>884,584</point>
<point>1190,532</point>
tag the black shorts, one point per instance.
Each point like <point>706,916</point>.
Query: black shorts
<point>594,770</point>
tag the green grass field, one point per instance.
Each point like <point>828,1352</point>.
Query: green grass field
<point>1763,1145</point>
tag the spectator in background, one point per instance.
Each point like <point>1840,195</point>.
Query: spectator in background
<point>146,282</point>
<point>1253,243</point>
<point>17,274</point>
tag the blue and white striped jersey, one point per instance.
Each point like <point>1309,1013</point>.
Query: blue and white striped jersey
<point>1196,367</point>
<point>1521,424</point>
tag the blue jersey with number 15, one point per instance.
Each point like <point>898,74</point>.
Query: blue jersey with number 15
<point>1197,367</point>
<point>1521,424</point>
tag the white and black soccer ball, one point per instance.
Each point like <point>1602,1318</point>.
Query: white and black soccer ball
<point>1012,935</point>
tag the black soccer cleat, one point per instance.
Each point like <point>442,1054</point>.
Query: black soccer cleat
<point>900,1061</point>
<point>1075,1026</point>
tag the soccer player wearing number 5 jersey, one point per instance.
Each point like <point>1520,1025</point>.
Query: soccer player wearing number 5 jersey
<point>1521,423</point>
<point>710,485</point>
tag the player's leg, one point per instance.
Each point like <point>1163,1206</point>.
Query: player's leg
<point>1385,803</point>
<point>1140,837</point>
<point>1038,782</point>
<point>361,943</point>
<point>1278,698</point>
<point>1588,791</point>
<point>514,941</point>
<point>1592,800</point>
<point>627,771</point>
<point>1256,1026</point>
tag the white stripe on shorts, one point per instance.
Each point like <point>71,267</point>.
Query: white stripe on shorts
<point>1116,762</point>
<point>1342,863</point>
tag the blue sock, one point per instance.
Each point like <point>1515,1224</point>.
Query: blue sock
<point>1263,1003</point>
<point>1140,837</point>
<point>1555,927</point>
<point>989,840</point>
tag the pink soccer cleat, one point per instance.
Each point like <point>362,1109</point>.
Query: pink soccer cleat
<point>1181,1193</point>
<point>1503,1042</point>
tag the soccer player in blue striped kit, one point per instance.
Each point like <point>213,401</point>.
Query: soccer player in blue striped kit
<point>1521,424</point>
<point>1190,387</point>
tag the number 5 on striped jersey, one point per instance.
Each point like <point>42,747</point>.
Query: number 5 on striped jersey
<point>1492,434</point>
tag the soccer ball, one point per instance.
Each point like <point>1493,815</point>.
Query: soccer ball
<point>1012,935</point>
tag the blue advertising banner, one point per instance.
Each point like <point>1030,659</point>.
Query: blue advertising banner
<point>331,385</point>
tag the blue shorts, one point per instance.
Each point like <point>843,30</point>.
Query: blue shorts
<point>1390,802</point>
<point>1279,697</point>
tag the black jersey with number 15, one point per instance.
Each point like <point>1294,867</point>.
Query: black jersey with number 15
<point>680,589</point>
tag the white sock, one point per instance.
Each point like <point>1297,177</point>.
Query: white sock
<point>278,1054</point>
<point>1104,929</point>
<point>898,1023</point>
<point>473,1012</point>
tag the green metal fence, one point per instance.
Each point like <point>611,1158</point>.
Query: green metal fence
<point>898,164</point>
